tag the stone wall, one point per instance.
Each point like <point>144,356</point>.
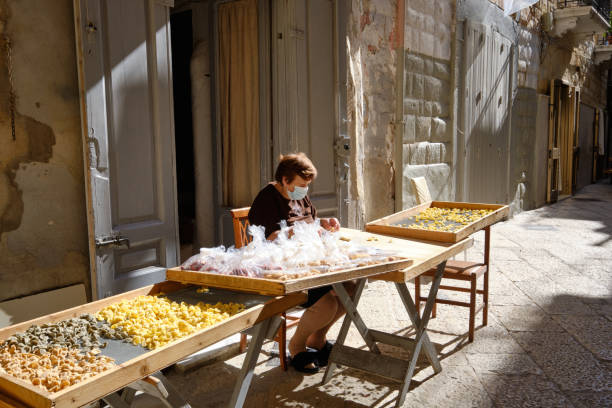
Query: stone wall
<point>594,89</point>
<point>523,157</point>
<point>43,235</point>
<point>427,142</point>
<point>371,91</point>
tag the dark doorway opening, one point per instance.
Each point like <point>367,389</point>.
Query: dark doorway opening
<point>182,48</point>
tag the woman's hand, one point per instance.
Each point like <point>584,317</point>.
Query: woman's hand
<point>331,224</point>
<point>274,235</point>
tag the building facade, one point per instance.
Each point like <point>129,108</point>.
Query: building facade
<point>487,107</point>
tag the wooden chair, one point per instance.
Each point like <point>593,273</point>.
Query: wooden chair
<point>460,271</point>
<point>240,221</point>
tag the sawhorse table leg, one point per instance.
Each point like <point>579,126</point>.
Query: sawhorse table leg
<point>156,385</point>
<point>346,324</point>
<point>374,362</point>
<point>261,331</point>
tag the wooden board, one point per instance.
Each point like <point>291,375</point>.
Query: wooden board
<point>139,367</point>
<point>385,225</point>
<point>425,254</point>
<point>278,287</point>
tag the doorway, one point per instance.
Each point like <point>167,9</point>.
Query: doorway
<point>563,152</point>
<point>182,49</point>
<point>586,140</point>
<point>298,102</point>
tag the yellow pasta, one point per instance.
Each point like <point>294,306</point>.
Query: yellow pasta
<point>154,321</point>
<point>446,219</point>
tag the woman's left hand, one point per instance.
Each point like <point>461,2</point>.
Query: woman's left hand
<point>331,224</point>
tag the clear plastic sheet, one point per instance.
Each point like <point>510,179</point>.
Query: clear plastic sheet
<point>311,250</point>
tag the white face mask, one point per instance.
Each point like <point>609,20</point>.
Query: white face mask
<point>298,193</point>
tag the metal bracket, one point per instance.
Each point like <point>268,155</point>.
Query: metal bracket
<point>112,240</point>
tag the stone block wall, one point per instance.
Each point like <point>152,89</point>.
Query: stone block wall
<point>428,27</point>
<point>594,89</point>
<point>528,58</point>
<point>427,142</point>
<point>371,95</point>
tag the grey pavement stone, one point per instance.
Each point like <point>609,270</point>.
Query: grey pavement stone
<point>553,298</point>
<point>504,254</point>
<point>518,271</point>
<point>525,318</point>
<point>594,333</point>
<point>508,364</point>
<point>523,391</point>
<point>604,309</point>
<point>455,386</point>
<point>583,286</point>
<point>597,270</point>
<point>590,399</point>
<point>493,340</point>
<point>565,361</point>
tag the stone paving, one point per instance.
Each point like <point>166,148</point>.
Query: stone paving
<point>548,342</point>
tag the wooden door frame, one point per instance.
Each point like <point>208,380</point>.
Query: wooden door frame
<point>595,153</point>
<point>342,138</point>
<point>93,294</point>
<point>554,154</point>
<point>575,148</point>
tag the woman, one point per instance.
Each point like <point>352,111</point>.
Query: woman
<point>286,199</point>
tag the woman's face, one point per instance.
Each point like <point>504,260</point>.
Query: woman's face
<point>297,181</point>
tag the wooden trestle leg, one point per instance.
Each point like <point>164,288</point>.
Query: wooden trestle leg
<point>264,330</point>
<point>374,362</point>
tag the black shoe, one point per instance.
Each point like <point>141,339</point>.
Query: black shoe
<point>323,354</point>
<point>304,358</point>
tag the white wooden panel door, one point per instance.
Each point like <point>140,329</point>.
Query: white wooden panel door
<point>487,106</point>
<point>126,88</point>
<point>304,80</point>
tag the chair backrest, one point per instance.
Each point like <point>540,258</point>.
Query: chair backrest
<point>419,185</point>
<point>240,219</point>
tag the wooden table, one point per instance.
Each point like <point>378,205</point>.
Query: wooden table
<point>262,318</point>
<point>425,254</point>
<point>261,314</point>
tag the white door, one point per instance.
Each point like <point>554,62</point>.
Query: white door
<point>126,92</point>
<point>306,93</point>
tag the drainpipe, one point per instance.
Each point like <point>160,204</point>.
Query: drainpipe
<point>400,53</point>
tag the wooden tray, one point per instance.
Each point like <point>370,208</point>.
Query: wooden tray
<point>139,367</point>
<point>383,225</point>
<point>278,287</point>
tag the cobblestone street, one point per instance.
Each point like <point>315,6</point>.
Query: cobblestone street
<point>547,343</point>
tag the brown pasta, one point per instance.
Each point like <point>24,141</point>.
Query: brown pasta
<point>54,370</point>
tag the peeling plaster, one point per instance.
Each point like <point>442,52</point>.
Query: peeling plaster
<point>43,234</point>
<point>33,143</point>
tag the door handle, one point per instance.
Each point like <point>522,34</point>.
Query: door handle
<point>112,241</point>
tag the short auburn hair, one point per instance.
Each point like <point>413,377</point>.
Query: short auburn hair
<point>295,164</point>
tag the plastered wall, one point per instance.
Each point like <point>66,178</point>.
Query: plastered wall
<point>43,236</point>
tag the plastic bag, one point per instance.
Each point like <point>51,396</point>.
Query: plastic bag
<point>311,250</point>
